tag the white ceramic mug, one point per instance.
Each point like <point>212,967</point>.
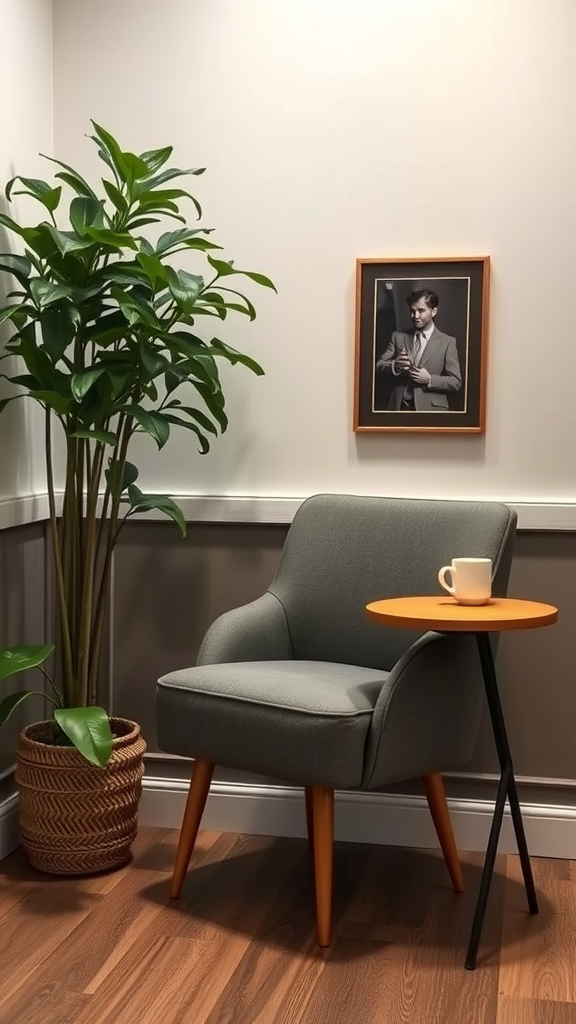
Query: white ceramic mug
<point>471,579</point>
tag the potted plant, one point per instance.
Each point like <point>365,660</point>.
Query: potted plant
<point>111,336</point>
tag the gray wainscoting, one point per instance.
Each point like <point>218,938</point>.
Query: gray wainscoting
<point>168,590</point>
<point>22,617</point>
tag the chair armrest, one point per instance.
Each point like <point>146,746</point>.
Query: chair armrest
<point>254,632</point>
<point>428,713</point>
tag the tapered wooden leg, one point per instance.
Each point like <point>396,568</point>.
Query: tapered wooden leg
<point>309,817</point>
<point>323,813</point>
<point>195,803</point>
<point>436,796</point>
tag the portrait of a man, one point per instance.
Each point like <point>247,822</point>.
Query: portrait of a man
<point>420,366</point>
<point>420,344</point>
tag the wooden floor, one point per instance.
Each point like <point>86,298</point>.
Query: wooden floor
<point>239,947</point>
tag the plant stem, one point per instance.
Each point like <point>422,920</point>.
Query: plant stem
<point>85,652</point>
<point>68,543</point>
<point>58,701</point>
<point>66,653</point>
<point>124,432</point>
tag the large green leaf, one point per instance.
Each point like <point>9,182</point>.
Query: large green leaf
<point>71,177</point>
<point>224,268</point>
<point>40,190</point>
<point>118,479</point>
<point>184,343</point>
<point>11,224</point>
<point>65,241</point>
<point>82,382</point>
<point>126,274</point>
<point>113,239</point>
<point>111,150</point>
<point>89,731</point>
<point>171,239</point>
<point>107,327</point>
<point>153,268</point>
<point>151,422</point>
<point>46,293</point>
<point>10,313</point>
<point>135,167</point>
<point>105,436</point>
<point>25,380</point>
<point>214,401</point>
<point>187,425</point>
<point>37,361</point>
<point>86,212</point>
<point>23,657</point>
<point>202,244</point>
<point>140,502</point>
<point>168,175</point>
<point>153,361</point>
<point>135,308</point>
<point>185,288</point>
<point>70,266</point>
<point>19,266</point>
<point>156,158</point>
<point>58,327</point>
<point>116,197</point>
<point>54,400</point>
<point>222,305</point>
<point>41,239</point>
<point>139,222</point>
<point>195,414</point>
<point>234,356</point>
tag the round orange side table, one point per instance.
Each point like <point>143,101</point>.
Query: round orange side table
<point>445,615</point>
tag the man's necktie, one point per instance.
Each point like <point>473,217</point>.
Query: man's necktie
<point>417,349</point>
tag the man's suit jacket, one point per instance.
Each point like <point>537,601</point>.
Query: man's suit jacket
<point>440,358</point>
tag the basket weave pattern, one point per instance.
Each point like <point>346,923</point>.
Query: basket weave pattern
<point>75,818</point>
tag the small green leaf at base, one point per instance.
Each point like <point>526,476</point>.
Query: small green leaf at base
<point>89,731</point>
<point>23,657</point>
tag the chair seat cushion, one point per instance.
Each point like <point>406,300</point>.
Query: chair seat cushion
<point>300,721</point>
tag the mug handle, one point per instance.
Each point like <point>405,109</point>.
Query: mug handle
<point>442,578</point>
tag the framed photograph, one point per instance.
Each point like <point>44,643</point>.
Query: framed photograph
<point>421,327</point>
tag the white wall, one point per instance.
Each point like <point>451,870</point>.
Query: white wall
<point>333,130</point>
<point>25,130</point>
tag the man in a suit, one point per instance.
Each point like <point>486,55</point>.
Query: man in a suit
<point>421,366</point>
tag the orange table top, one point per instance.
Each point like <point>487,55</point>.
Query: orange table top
<point>445,614</point>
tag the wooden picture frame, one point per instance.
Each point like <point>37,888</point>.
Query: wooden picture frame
<point>433,384</point>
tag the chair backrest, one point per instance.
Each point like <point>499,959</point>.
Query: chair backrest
<point>345,550</point>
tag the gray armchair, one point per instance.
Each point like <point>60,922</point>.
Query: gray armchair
<point>298,684</point>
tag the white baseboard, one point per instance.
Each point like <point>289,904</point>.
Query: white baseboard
<point>380,818</point>
<point>9,832</point>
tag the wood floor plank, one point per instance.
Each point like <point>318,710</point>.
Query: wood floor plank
<point>202,938</point>
<point>283,946</point>
<point>143,921</point>
<point>239,946</point>
<point>417,977</point>
<point>539,950</point>
<point>529,1011</point>
<point>25,941</point>
<point>84,929</point>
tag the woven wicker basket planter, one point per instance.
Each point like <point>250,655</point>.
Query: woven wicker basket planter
<point>76,819</point>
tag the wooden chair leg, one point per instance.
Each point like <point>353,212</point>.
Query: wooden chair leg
<point>309,817</point>
<point>195,803</point>
<point>436,796</point>
<point>323,831</point>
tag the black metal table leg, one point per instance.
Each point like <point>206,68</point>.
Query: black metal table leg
<point>506,788</point>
